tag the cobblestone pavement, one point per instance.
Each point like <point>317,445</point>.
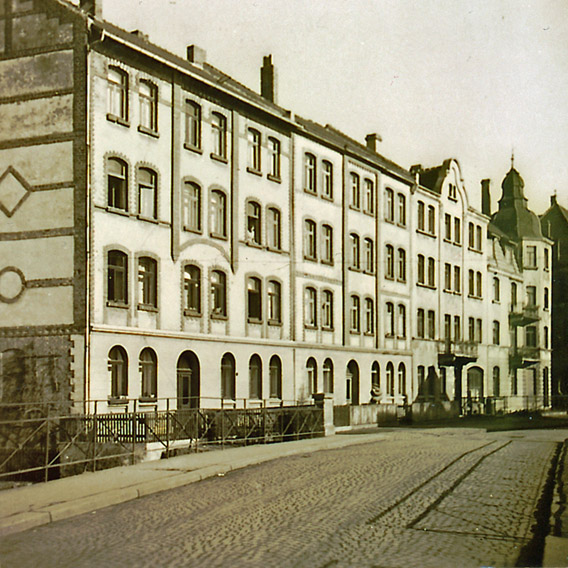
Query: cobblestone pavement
<point>422,498</point>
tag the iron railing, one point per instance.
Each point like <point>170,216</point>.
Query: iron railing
<point>38,442</point>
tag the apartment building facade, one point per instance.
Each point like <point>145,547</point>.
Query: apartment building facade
<point>207,246</point>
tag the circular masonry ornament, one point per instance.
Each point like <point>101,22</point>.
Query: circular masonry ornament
<point>12,284</point>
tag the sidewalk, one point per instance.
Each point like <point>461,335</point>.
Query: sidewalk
<point>23,508</point>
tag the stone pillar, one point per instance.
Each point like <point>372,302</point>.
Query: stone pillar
<point>325,401</point>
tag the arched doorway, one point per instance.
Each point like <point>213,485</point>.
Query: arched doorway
<point>475,383</point>
<point>188,380</point>
<point>352,383</point>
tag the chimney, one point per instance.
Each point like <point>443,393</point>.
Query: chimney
<point>553,199</point>
<point>196,55</point>
<point>140,34</point>
<point>92,7</point>
<point>371,141</point>
<point>268,79</point>
<point>485,196</point>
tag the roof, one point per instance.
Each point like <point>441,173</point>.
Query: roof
<point>433,178</point>
<point>338,138</point>
<point>513,217</point>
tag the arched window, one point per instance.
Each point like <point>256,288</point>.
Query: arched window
<point>310,173</point>
<point>191,206</point>
<point>218,293</point>
<point>192,124</point>
<point>369,316</point>
<point>192,289</point>
<point>274,148</point>
<point>375,375</point>
<point>274,290</point>
<point>117,94</point>
<point>255,377</point>
<point>327,309</point>
<point>389,205</point>
<point>219,126</point>
<point>118,369</point>
<point>390,379</point>
<point>254,143</point>
<point>355,314</point>
<point>148,373</point>
<point>401,265</point>
<point>389,273</point>
<point>312,374</point>
<point>431,272</point>
<point>328,376</point>
<point>254,299</point>
<point>496,289</point>
<point>148,93</point>
<point>147,282</point>
<point>218,214</point>
<point>431,220</point>
<point>355,251</point>
<point>327,169</point>
<point>275,371</point>
<point>390,320</point>
<point>147,193</point>
<point>117,277</point>
<point>401,320</point>
<point>310,240</point>
<point>273,228</point>
<point>310,309</point>
<point>401,209</point>
<point>369,196</point>
<point>228,377</point>
<point>421,216</point>
<point>421,270</point>
<point>369,256</point>
<point>117,182</point>
<point>327,238</point>
<point>402,378</point>
<point>253,222</point>
<point>355,191</point>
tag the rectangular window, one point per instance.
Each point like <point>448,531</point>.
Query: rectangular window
<point>274,302</point>
<point>471,235</point>
<point>254,297</point>
<point>401,209</point>
<point>310,241</point>
<point>327,239</point>
<point>147,193</point>
<point>147,282</point>
<point>117,94</point>
<point>421,269</point>
<point>530,336</point>
<point>369,196</point>
<point>457,231</point>
<point>457,279</point>
<point>355,191</point>
<point>117,278</point>
<point>420,328</point>
<point>530,257</point>
<point>389,205</point>
<point>478,238</point>
<point>447,277</point>
<point>471,329</point>
<point>218,214</point>
<point>389,272</point>
<point>327,309</point>
<point>274,228</point>
<point>471,283</point>
<point>546,259</point>
<point>369,316</point>
<point>327,173</point>
<point>421,216</point>
<point>431,220</point>
<point>478,279</point>
<point>218,294</point>
<point>457,328</point>
<point>431,272</point>
<point>447,227</point>
<point>310,318</point>
<point>431,324</point>
<point>355,252</point>
<point>253,223</point>
<point>531,295</point>
<point>401,265</point>
<point>369,256</point>
<point>479,330</point>
<point>390,320</point>
<point>448,327</point>
<point>401,320</point>
<point>496,333</point>
<point>191,207</point>
<point>148,94</point>
<point>355,314</point>
<point>192,289</point>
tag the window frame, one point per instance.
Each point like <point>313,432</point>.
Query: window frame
<point>219,132</point>
<point>274,148</point>
<point>192,290</point>
<point>192,196</point>
<point>147,283</point>
<point>117,279</point>
<point>193,125</point>
<point>117,189</point>
<point>218,291</point>
<point>150,187</point>
<point>118,92</point>
<point>148,104</point>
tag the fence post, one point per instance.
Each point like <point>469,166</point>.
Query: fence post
<point>46,476</point>
<point>133,433</point>
<point>168,427</point>
<point>95,432</point>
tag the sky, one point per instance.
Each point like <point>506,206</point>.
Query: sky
<point>473,80</point>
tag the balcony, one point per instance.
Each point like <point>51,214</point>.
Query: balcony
<point>523,315</point>
<point>522,357</point>
<point>456,353</point>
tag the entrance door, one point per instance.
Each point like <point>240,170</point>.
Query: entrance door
<point>475,383</point>
<point>352,382</point>
<point>188,380</point>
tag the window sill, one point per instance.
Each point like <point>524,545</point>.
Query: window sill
<point>530,267</point>
<point>120,305</point>
<point>401,225</point>
<point>387,277</point>
<point>310,258</point>
<point>254,321</point>
<point>369,213</point>
<point>354,268</point>
<point>327,262</point>
<point>147,308</point>
<point>327,197</point>
<point>310,326</point>
<point>274,249</point>
<point>422,285</point>
<point>391,221</point>
<point>401,336</point>
<point>328,329</point>
<point>117,120</point>
<point>218,236</point>
<point>311,192</point>
<point>148,219</point>
<point>495,301</point>
<point>401,280</point>
<point>254,171</point>
<point>448,291</point>
<point>355,332</point>
<point>253,244</point>
<point>452,198</point>
<point>473,249</point>
<point>389,335</point>
<point>195,149</point>
<point>220,317</point>
<point>426,233</point>
<point>369,334</point>
<point>192,313</point>
<point>218,158</point>
<point>369,272</point>
<point>473,297</point>
<point>151,400</point>
<point>117,211</point>
<point>117,400</point>
<point>276,179</point>
<point>274,323</point>
<point>457,244</point>
<point>148,131</point>
<point>190,230</point>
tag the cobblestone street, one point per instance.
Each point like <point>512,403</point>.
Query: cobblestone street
<point>417,498</point>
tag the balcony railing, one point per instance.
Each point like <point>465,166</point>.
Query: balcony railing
<point>520,315</point>
<point>456,352</point>
<point>521,357</point>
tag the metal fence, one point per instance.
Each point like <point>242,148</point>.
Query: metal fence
<point>37,443</point>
